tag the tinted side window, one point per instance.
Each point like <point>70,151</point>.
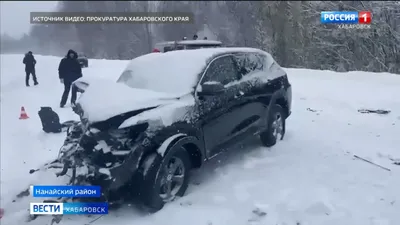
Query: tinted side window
<point>255,62</point>
<point>248,63</point>
<point>240,60</point>
<point>269,64</point>
<point>221,70</point>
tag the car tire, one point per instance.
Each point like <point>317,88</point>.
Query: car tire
<point>276,126</point>
<point>155,179</point>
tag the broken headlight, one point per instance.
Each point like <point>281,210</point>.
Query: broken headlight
<point>114,141</point>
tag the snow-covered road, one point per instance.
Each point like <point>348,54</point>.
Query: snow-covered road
<point>311,177</point>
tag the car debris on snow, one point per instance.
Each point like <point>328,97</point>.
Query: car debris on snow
<point>395,161</point>
<point>366,160</point>
<point>105,171</point>
<point>376,111</point>
<point>313,110</point>
<point>257,215</point>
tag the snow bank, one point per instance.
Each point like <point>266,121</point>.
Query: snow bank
<point>294,188</point>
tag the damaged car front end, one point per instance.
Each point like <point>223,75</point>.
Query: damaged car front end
<point>103,154</point>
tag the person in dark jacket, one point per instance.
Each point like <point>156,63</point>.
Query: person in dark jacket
<point>30,62</point>
<point>69,71</point>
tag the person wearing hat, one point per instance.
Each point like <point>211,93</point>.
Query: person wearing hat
<point>195,37</point>
<point>69,70</point>
<point>30,62</point>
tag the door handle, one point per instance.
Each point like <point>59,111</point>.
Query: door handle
<point>239,95</point>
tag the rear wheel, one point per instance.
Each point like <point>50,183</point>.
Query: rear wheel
<point>276,127</point>
<point>166,178</point>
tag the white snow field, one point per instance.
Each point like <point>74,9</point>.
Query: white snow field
<point>309,178</point>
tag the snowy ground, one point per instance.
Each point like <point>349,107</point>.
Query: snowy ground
<point>311,177</point>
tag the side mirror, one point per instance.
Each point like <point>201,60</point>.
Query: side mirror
<point>211,88</point>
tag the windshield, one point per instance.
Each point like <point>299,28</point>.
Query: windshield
<point>164,72</point>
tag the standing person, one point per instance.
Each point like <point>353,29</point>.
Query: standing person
<point>30,62</point>
<point>69,71</point>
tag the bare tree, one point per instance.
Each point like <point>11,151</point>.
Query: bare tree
<point>291,31</point>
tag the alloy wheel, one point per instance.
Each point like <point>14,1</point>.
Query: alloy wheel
<point>277,127</point>
<point>173,175</point>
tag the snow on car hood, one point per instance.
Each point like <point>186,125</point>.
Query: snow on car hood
<point>165,115</point>
<point>105,99</point>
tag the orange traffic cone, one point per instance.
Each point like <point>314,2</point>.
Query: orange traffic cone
<point>23,115</point>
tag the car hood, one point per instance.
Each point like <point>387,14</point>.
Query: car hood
<point>103,100</point>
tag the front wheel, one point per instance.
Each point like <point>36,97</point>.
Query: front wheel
<point>276,127</point>
<point>166,178</point>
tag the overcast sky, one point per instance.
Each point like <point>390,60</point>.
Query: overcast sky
<point>14,17</point>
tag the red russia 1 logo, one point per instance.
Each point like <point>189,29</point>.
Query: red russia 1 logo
<point>364,17</point>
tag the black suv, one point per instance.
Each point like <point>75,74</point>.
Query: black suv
<point>166,115</point>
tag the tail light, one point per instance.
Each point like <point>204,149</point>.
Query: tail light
<point>156,50</point>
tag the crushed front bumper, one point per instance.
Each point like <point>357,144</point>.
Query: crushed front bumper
<point>117,176</point>
<point>109,159</point>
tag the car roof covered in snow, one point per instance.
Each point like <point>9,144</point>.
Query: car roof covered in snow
<point>198,55</point>
<point>174,71</point>
<point>199,42</point>
<point>191,42</point>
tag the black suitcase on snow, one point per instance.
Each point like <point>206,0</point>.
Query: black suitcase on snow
<point>50,120</point>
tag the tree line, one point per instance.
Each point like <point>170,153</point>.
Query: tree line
<point>289,30</point>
